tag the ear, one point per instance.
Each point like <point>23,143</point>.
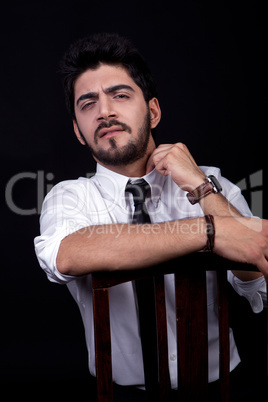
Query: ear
<point>77,133</point>
<point>155,112</point>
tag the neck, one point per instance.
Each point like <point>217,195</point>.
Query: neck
<point>133,170</point>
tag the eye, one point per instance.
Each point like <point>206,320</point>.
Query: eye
<point>87,105</point>
<point>121,96</point>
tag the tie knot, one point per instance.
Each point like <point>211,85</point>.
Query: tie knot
<point>138,190</point>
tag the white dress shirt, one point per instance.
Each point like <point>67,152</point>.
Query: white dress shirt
<point>76,204</point>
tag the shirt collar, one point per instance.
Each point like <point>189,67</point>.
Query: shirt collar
<point>156,181</point>
<point>114,183</point>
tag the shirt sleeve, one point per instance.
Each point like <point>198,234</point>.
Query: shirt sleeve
<point>254,291</point>
<point>64,211</point>
<point>230,191</point>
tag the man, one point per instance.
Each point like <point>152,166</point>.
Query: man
<point>86,223</point>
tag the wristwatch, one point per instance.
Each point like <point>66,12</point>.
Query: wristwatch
<point>211,185</point>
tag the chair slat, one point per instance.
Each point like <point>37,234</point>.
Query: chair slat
<point>103,345</point>
<point>192,343</point>
<point>145,292</point>
<point>161,319</point>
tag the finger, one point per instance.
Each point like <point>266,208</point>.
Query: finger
<point>158,153</point>
<point>263,267</point>
<point>182,147</point>
<point>154,159</point>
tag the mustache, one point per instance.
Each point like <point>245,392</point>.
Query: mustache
<point>110,123</point>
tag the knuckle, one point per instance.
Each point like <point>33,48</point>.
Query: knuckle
<point>253,251</point>
<point>258,254</point>
<point>255,257</point>
<point>263,243</point>
<point>265,229</point>
<point>169,158</point>
<point>181,146</point>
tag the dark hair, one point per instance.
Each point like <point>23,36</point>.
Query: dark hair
<point>107,48</point>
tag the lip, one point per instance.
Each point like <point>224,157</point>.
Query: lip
<point>109,132</point>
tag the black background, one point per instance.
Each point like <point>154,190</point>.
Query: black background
<point>209,60</point>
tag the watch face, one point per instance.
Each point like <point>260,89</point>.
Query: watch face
<point>215,183</point>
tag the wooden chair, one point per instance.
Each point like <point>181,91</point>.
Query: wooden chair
<point>192,340</point>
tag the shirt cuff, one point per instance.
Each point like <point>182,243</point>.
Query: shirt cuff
<point>254,291</point>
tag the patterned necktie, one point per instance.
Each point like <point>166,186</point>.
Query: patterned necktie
<point>146,298</point>
<point>139,191</point>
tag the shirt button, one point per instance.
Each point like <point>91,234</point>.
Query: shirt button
<point>173,357</point>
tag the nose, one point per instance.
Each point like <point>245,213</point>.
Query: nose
<point>106,109</point>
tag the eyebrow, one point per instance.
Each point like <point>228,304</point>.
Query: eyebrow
<point>109,90</point>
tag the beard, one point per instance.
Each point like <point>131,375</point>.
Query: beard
<point>116,155</point>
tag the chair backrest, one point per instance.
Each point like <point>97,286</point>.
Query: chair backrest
<point>191,319</point>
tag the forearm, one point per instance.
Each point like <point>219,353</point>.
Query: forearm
<point>124,246</point>
<point>218,205</point>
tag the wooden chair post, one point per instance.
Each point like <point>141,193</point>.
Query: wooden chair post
<point>162,340</point>
<point>192,343</point>
<point>103,344</point>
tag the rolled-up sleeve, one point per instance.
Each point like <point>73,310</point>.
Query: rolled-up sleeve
<point>46,249</point>
<point>254,291</point>
<point>64,211</point>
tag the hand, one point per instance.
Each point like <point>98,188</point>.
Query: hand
<point>243,240</point>
<point>175,160</point>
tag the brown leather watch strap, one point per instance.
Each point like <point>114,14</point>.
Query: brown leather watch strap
<point>210,233</point>
<point>200,192</point>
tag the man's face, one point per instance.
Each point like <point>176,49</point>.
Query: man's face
<point>112,117</point>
